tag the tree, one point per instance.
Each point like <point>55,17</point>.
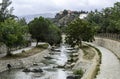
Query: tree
<point>38,28</point>
<point>43,30</point>
<point>78,31</point>
<point>54,36</point>
<point>12,34</point>
<point>5,13</point>
<point>108,19</point>
<point>24,25</point>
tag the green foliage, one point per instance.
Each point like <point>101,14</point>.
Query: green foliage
<point>54,37</point>
<point>43,30</point>
<point>39,29</point>
<point>108,19</point>
<point>24,26</point>
<point>78,31</point>
<point>11,33</point>
<point>44,46</point>
<point>78,72</point>
<point>5,13</point>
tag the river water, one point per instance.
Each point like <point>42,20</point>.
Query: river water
<point>49,72</point>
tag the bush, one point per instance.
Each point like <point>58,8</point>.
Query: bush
<point>44,46</point>
<point>78,72</point>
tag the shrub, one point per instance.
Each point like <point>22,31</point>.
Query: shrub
<point>44,46</point>
<point>78,72</point>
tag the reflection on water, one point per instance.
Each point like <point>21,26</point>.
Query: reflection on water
<point>49,71</point>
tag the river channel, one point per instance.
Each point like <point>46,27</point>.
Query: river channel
<point>50,71</point>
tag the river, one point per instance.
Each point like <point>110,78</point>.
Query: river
<point>49,72</point>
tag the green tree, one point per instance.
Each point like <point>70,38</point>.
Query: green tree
<point>12,34</point>
<point>108,19</point>
<point>78,31</point>
<point>43,30</point>
<point>54,36</point>
<point>39,29</point>
<point>24,25</point>
<point>4,11</point>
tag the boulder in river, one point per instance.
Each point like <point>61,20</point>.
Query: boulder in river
<point>60,66</point>
<point>73,77</point>
<point>32,70</point>
<point>37,70</point>
<point>70,77</point>
<point>26,70</point>
<point>48,57</point>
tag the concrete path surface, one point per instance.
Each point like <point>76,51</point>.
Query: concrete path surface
<point>110,66</point>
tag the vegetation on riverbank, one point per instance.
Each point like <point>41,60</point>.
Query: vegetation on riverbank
<point>42,30</point>
<point>92,57</point>
<point>78,72</point>
<point>107,20</point>
<point>89,53</point>
<point>99,61</point>
<point>78,31</point>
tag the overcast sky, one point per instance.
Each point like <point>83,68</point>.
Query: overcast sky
<point>28,7</point>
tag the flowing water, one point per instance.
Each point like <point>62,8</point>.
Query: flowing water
<point>49,72</point>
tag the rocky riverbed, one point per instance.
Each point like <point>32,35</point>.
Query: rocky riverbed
<point>51,67</point>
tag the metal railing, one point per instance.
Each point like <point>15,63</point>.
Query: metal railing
<point>109,36</point>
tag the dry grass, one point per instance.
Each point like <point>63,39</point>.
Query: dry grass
<point>27,53</point>
<point>88,51</point>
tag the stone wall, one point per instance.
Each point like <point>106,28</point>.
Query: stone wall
<point>112,45</point>
<point>23,62</point>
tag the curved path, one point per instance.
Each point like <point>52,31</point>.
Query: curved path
<point>110,66</point>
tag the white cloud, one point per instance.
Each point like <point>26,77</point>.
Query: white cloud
<point>25,7</point>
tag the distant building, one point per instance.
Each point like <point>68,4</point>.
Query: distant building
<point>82,16</point>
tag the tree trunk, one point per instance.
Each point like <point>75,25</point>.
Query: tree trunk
<point>80,43</point>
<point>37,43</point>
<point>9,52</point>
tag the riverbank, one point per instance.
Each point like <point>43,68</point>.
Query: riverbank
<point>89,65</point>
<point>49,67</point>
<point>23,62</point>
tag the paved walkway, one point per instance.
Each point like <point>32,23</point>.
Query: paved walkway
<point>110,67</point>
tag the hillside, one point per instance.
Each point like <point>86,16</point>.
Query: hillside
<point>65,17</point>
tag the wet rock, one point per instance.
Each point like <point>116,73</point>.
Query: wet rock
<point>37,70</point>
<point>72,64</point>
<point>51,53</point>
<point>67,66</point>
<point>23,51</point>
<point>70,77</point>
<point>75,54</point>
<point>56,50</point>
<point>73,77</point>
<point>77,76</point>
<point>59,66</point>
<point>41,64</point>
<point>35,64</point>
<point>26,70</point>
<point>32,70</point>
<point>48,57</point>
<point>70,48</point>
